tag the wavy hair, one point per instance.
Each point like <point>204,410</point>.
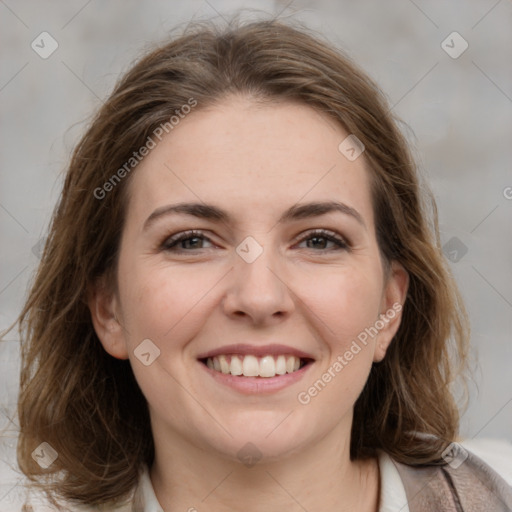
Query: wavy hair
<point>85,403</point>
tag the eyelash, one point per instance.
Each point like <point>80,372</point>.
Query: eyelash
<point>170,243</point>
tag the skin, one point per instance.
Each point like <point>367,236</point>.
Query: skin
<point>254,161</point>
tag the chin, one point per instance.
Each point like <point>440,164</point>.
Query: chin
<point>262,441</point>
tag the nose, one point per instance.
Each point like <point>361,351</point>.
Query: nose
<point>258,290</point>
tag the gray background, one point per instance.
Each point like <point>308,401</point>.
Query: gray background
<point>458,112</point>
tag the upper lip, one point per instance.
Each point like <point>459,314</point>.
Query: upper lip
<point>255,350</point>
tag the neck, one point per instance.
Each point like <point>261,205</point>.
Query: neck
<point>318,478</point>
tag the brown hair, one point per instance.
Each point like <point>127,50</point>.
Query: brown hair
<point>86,404</point>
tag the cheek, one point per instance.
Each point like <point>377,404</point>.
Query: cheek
<point>346,301</point>
<point>169,304</point>
<point>345,304</point>
<point>158,301</point>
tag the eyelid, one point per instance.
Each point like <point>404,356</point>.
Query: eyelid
<point>183,235</point>
<point>326,233</point>
<point>341,241</point>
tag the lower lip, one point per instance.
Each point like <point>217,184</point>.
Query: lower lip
<point>257,385</point>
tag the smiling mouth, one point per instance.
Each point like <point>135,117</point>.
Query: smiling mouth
<point>252,366</point>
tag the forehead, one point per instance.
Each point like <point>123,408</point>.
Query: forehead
<point>253,159</point>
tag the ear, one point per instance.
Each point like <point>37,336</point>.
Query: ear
<point>393,298</point>
<point>104,308</point>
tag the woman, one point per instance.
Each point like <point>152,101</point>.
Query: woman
<point>242,302</point>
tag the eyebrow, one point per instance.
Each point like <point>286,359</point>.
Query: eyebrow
<point>216,214</point>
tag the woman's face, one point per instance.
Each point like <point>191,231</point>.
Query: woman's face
<point>255,279</point>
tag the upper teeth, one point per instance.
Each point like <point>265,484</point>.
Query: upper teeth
<point>251,366</point>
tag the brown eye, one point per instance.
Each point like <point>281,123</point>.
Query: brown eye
<point>324,237</point>
<point>194,240</point>
<point>185,241</point>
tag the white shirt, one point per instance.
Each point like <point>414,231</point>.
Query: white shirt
<point>393,498</point>
<point>498,454</point>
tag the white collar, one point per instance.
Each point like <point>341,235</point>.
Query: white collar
<point>392,491</point>
<point>144,499</point>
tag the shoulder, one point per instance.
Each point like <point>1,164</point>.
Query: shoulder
<point>37,502</point>
<point>480,480</point>
<point>42,506</point>
<point>497,453</point>
<point>468,481</point>
<point>25,497</point>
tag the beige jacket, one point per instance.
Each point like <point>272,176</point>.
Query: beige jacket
<point>472,486</point>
